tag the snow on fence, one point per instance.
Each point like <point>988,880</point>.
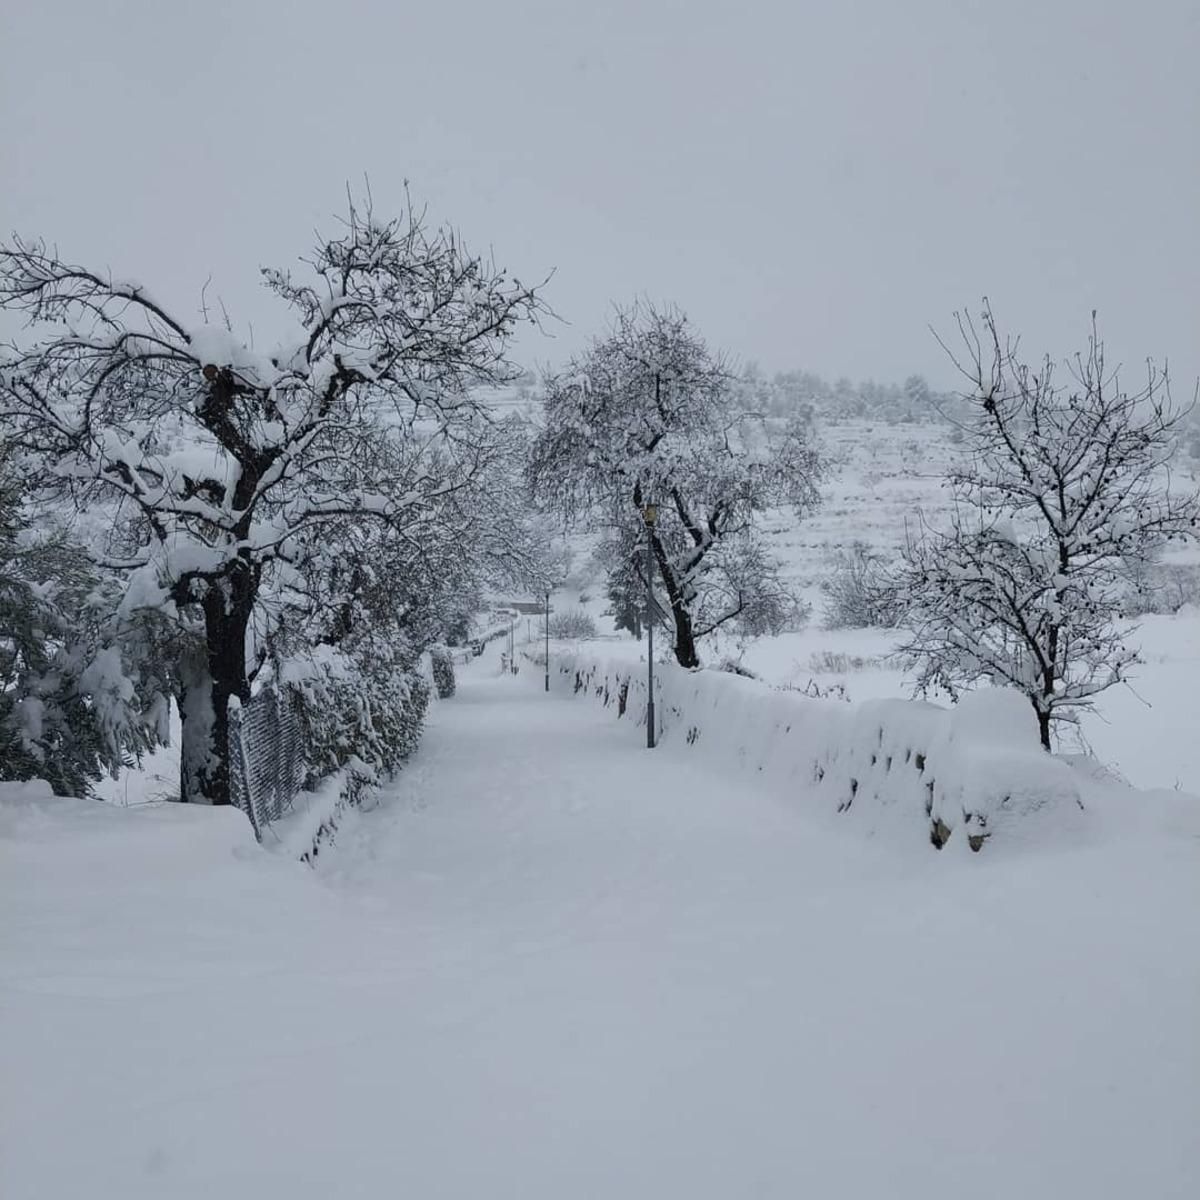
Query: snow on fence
<point>967,773</point>
<point>314,816</point>
<point>267,769</point>
<point>266,756</point>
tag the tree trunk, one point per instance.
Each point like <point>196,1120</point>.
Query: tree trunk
<point>685,630</point>
<point>194,697</point>
<point>208,688</point>
<point>1049,679</point>
<point>685,638</point>
<point>1044,727</point>
<point>1043,704</point>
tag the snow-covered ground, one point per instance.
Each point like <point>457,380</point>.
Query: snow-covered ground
<point>553,964</point>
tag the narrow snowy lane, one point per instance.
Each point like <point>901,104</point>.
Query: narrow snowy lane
<point>553,964</point>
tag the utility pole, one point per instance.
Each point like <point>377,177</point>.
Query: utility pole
<point>650,514</point>
<point>547,639</point>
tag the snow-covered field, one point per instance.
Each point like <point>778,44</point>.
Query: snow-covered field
<point>550,964</point>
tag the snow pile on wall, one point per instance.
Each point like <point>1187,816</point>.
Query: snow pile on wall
<point>964,774</point>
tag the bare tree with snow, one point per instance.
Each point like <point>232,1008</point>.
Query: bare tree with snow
<point>217,466</point>
<point>1065,481</point>
<point>650,416</point>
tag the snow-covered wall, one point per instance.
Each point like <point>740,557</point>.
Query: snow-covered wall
<point>964,774</point>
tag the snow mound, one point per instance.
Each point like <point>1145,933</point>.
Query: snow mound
<point>31,814</point>
<point>993,771</point>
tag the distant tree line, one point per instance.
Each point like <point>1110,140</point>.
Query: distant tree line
<point>807,395</point>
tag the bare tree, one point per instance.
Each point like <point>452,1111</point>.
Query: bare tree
<point>650,416</point>
<point>1063,485</point>
<point>215,463</point>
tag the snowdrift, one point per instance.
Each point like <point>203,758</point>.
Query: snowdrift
<point>962,775</point>
<point>101,841</point>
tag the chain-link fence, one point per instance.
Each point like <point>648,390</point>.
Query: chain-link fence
<point>266,756</point>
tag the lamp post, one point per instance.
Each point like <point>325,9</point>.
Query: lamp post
<point>650,515</point>
<point>547,639</point>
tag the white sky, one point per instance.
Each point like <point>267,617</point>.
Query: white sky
<point>814,183</point>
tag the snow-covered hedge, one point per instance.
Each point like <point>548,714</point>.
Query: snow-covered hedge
<point>964,774</point>
<point>441,669</point>
<point>356,710</point>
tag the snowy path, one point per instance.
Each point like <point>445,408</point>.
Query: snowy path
<point>554,964</point>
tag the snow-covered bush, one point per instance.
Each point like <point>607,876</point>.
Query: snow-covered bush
<point>734,666</point>
<point>573,624</point>
<point>75,701</point>
<point>442,669</point>
<point>1178,585</point>
<point>362,712</point>
<point>839,662</point>
<point>860,592</point>
<point>1161,588</point>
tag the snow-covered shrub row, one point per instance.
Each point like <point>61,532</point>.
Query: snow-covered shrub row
<point>1161,588</point>
<point>358,714</point>
<point>574,623</point>
<point>964,774</point>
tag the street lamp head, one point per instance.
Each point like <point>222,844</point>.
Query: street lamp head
<point>650,514</point>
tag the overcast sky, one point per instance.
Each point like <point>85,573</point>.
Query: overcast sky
<point>814,183</point>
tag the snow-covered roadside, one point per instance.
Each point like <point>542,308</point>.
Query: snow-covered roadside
<point>552,963</point>
<point>1144,731</point>
<point>975,770</point>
